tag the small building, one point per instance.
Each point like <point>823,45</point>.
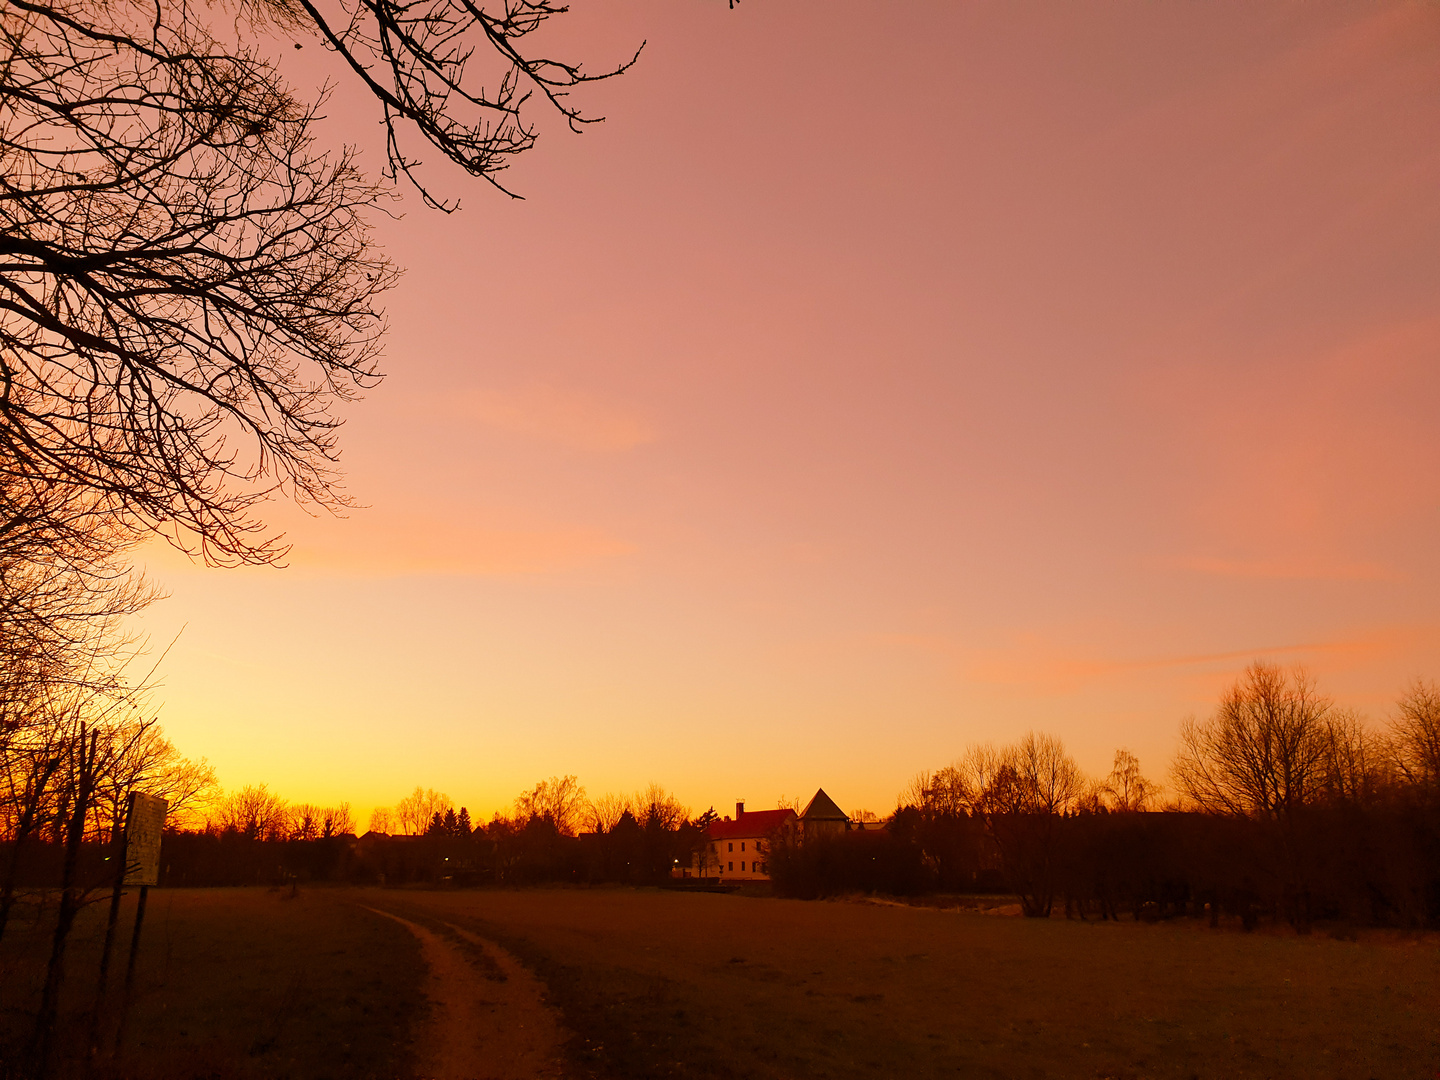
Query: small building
<point>737,849</point>
<point>738,846</point>
<point>821,817</point>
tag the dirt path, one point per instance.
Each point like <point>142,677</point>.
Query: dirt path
<point>489,1018</point>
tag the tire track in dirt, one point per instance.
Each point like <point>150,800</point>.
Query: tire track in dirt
<point>490,1024</point>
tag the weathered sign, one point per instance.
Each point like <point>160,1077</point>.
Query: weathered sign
<point>144,822</point>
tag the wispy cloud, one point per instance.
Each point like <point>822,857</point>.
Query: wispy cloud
<point>1285,570</point>
<point>1049,666</point>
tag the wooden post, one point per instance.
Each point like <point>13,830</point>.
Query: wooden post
<point>130,966</point>
<point>120,849</point>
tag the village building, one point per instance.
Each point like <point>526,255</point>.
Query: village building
<point>821,817</point>
<point>737,848</point>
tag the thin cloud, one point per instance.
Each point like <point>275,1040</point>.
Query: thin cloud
<point>1285,570</point>
<point>1040,664</point>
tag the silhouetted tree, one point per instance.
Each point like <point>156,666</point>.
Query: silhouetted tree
<point>414,813</point>
<point>187,284</point>
<point>1035,784</point>
<point>1125,790</point>
<point>382,819</point>
<point>254,813</point>
<point>559,800</point>
<point>1263,752</point>
<point>1416,737</point>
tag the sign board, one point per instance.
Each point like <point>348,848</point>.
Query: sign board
<point>144,822</point>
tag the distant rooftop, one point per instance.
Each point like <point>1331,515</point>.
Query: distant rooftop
<point>823,808</point>
<point>749,823</point>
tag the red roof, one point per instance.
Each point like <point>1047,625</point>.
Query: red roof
<point>750,823</point>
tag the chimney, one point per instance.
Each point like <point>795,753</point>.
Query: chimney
<point>739,808</point>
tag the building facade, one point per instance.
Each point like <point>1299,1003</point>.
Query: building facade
<point>737,848</point>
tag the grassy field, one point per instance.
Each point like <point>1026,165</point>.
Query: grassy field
<point>662,984</point>
<point>235,983</point>
<point>253,983</point>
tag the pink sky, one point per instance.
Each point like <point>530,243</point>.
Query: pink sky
<point>866,386</point>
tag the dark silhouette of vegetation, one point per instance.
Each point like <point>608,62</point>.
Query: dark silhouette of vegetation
<point>188,288</point>
<point>1285,807</point>
<point>254,837</point>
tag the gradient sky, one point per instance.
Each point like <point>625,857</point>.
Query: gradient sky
<point>878,379</point>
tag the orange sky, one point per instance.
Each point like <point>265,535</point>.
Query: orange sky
<point>869,385</point>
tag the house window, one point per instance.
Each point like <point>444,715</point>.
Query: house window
<point>742,866</point>
<point>742,845</point>
<point>730,847</point>
<point>730,866</point>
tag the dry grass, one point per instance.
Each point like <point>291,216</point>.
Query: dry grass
<point>247,984</point>
<point>236,983</point>
<point>662,984</point>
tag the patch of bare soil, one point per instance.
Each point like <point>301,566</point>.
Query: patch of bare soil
<point>489,1019</point>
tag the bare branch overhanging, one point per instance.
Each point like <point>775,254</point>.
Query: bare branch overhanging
<point>189,293</point>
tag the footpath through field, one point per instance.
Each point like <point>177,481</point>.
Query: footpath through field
<point>489,1019</point>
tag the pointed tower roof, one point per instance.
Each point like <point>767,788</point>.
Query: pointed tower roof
<point>823,808</point>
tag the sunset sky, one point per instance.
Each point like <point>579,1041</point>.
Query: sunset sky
<point>876,380</point>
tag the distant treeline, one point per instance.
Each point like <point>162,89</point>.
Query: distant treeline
<point>1283,806</point>
<point>636,850</point>
<point>1377,864</point>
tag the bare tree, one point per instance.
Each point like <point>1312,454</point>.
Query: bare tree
<point>656,808</point>
<point>1355,762</point>
<point>1030,786</point>
<point>255,812</point>
<point>336,820</point>
<point>1416,736</point>
<point>420,62</point>
<point>1126,790</point>
<point>978,767</point>
<point>1035,776</point>
<point>136,755</point>
<point>1263,753</point>
<point>187,284</point>
<point>603,813</point>
<point>382,820</point>
<point>946,792</point>
<point>559,800</point>
<point>303,821</point>
<point>414,812</point>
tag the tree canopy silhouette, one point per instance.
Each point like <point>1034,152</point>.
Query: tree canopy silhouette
<point>188,285</point>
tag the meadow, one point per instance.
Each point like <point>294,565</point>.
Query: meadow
<point>231,984</point>
<point>252,982</point>
<point>662,984</point>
